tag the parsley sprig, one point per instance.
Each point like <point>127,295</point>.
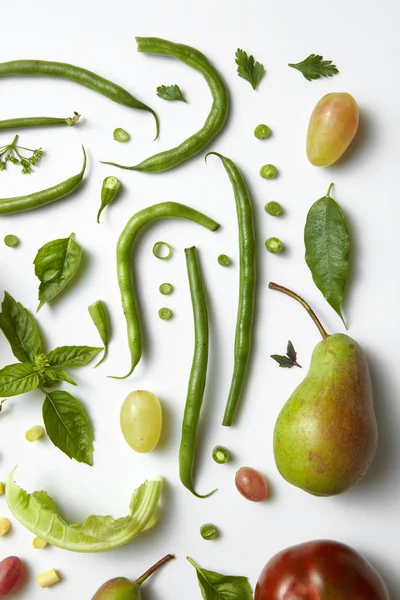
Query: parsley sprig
<point>248,68</point>
<point>314,67</point>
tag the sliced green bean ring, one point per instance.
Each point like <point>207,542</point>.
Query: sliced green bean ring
<point>198,373</point>
<point>165,314</point>
<point>120,135</point>
<point>247,282</point>
<point>160,248</point>
<point>82,76</point>
<point>125,279</point>
<point>224,260</point>
<point>221,455</point>
<point>208,531</point>
<point>24,122</point>
<point>9,206</point>
<point>166,289</point>
<point>11,240</point>
<point>216,118</point>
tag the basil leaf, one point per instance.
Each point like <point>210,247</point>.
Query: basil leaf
<point>20,329</point>
<point>18,379</point>
<point>327,245</point>
<point>57,375</point>
<point>99,315</point>
<point>72,356</point>
<point>291,352</point>
<point>56,263</point>
<point>68,426</point>
<point>214,586</point>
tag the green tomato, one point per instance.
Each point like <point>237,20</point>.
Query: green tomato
<point>141,420</point>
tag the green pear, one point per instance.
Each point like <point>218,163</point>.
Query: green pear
<point>121,588</point>
<point>326,436</point>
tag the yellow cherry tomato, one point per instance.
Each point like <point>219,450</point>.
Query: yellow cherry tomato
<point>333,125</point>
<point>141,420</point>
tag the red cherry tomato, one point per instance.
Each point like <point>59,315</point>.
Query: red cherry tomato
<point>320,570</point>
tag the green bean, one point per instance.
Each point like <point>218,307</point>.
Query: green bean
<point>198,373</point>
<point>125,280</point>
<point>216,117</point>
<point>9,206</point>
<point>109,191</point>
<point>101,320</point>
<point>24,122</point>
<point>244,322</point>
<point>79,75</point>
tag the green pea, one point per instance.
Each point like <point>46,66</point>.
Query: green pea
<point>262,132</point>
<point>11,241</point>
<point>166,288</point>
<point>273,208</point>
<point>224,260</point>
<point>268,171</point>
<point>208,531</point>
<point>165,314</point>
<point>274,245</point>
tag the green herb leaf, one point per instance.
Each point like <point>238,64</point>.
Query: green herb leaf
<point>249,68</point>
<point>99,315</point>
<point>55,375</point>
<point>314,67</point>
<point>170,92</point>
<point>56,263</point>
<point>68,426</point>
<point>39,513</point>
<point>18,379</point>
<point>20,329</point>
<point>283,361</point>
<point>72,356</point>
<point>327,245</point>
<point>214,586</point>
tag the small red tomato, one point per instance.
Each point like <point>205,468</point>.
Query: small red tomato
<point>320,570</point>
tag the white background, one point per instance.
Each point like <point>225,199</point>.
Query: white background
<point>362,39</point>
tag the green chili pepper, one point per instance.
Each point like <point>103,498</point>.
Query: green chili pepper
<point>125,280</point>
<point>73,73</point>
<point>100,318</point>
<point>165,314</point>
<point>221,455</point>
<point>215,120</point>
<point>11,241</point>
<point>109,191</point>
<point>244,322</point>
<point>10,206</point>
<point>23,122</point>
<point>198,373</point>
<point>208,531</point>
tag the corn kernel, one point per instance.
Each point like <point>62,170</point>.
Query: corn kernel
<point>5,526</point>
<point>38,543</point>
<point>48,578</point>
<point>34,433</point>
<point>2,488</point>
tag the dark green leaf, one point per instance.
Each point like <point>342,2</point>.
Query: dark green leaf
<point>327,245</point>
<point>68,426</point>
<point>214,586</point>
<point>20,329</point>
<point>291,352</point>
<point>72,356</point>
<point>18,379</point>
<point>249,68</point>
<point>283,361</point>
<point>56,263</point>
<point>57,375</point>
<point>314,67</point>
<point>99,315</point>
<point>170,92</point>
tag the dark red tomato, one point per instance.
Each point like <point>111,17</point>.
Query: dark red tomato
<point>320,570</point>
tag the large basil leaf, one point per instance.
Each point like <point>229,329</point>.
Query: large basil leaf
<point>54,375</point>
<point>18,379</point>
<point>56,263</point>
<point>214,586</point>
<point>20,329</point>
<point>327,245</point>
<point>72,356</point>
<point>68,426</point>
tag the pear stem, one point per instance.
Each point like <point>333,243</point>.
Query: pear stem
<point>154,568</point>
<point>280,288</point>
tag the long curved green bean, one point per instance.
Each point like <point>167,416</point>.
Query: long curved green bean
<point>244,322</point>
<point>198,373</point>
<point>124,272</point>
<point>24,122</point>
<point>216,117</point>
<point>9,206</point>
<point>79,75</point>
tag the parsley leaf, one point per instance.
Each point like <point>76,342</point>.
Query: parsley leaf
<point>314,67</point>
<point>249,68</point>
<point>170,92</point>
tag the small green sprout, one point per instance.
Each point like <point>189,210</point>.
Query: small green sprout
<point>12,153</point>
